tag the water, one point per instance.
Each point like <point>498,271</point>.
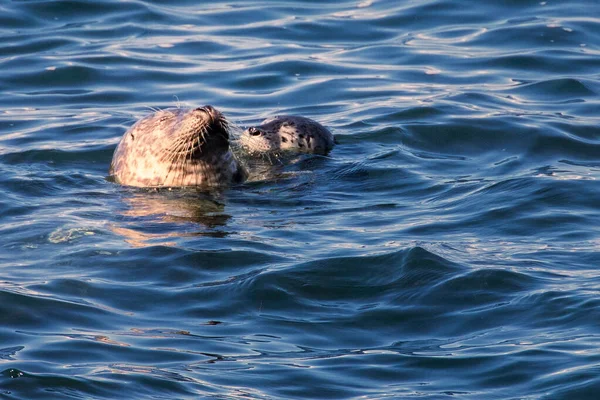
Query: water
<point>447,248</point>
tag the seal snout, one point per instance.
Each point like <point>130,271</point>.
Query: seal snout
<point>213,114</point>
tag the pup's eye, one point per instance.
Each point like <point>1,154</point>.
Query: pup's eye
<point>253,131</point>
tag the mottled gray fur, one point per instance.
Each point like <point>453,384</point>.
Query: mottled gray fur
<point>177,147</point>
<point>288,132</point>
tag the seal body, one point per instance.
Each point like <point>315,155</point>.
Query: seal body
<point>177,147</point>
<point>288,132</point>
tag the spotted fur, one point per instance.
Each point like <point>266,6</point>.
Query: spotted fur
<point>288,132</point>
<point>177,147</point>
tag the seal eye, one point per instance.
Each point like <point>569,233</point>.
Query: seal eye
<point>253,131</point>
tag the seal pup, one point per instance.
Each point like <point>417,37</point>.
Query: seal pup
<point>177,147</point>
<point>287,132</point>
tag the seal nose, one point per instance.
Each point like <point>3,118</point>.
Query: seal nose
<point>253,131</point>
<point>210,110</point>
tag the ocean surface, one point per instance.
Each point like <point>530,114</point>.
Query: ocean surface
<point>447,248</point>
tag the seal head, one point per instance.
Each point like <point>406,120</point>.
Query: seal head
<point>177,147</point>
<point>287,132</point>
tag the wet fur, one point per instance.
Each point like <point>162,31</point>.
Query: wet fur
<point>177,147</point>
<point>287,132</point>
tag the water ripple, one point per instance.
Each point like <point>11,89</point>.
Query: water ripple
<point>447,247</point>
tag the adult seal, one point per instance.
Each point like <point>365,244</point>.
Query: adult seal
<point>177,147</point>
<point>287,132</point>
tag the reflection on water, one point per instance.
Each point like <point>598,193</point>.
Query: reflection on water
<point>153,216</point>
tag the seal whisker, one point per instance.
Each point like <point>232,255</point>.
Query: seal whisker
<point>196,173</point>
<point>184,156</point>
<point>174,153</point>
<point>154,109</point>
<point>176,161</point>
<point>180,154</point>
<point>191,146</point>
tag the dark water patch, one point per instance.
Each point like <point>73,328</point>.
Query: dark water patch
<point>46,385</point>
<point>109,293</point>
<point>555,89</point>
<point>467,137</point>
<point>9,352</point>
<point>530,32</point>
<point>546,61</point>
<point>584,131</point>
<point>483,287</point>
<point>381,284</point>
<point>61,76</point>
<point>407,269</point>
<point>480,101</point>
<point>561,145</point>
<point>543,207</point>
<point>12,20</point>
<point>439,14</point>
<point>336,31</point>
<point>560,310</point>
<point>58,157</point>
<point>55,11</point>
<point>37,46</point>
<point>395,56</point>
<point>19,307</point>
<point>190,268</point>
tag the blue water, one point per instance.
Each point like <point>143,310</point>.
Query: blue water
<point>448,247</point>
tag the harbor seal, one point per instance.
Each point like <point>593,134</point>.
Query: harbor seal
<point>287,132</point>
<point>177,147</point>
